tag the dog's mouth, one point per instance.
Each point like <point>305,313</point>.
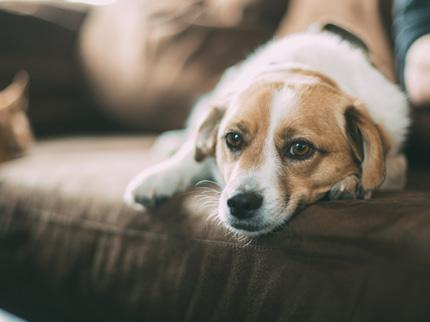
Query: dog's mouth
<point>259,222</point>
<point>257,226</point>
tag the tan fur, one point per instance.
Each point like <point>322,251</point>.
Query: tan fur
<point>15,132</point>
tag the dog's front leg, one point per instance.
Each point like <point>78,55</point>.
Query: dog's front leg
<point>160,182</point>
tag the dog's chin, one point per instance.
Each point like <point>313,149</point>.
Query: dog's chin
<point>250,230</point>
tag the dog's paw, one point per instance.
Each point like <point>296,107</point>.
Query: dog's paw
<point>347,189</point>
<point>150,188</point>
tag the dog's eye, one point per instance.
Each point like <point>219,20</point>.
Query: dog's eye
<point>300,150</point>
<point>234,141</point>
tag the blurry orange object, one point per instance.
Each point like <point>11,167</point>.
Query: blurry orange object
<point>15,132</point>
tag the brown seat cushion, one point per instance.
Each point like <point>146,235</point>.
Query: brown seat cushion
<point>71,251</point>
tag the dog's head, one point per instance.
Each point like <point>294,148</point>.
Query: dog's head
<point>280,145</point>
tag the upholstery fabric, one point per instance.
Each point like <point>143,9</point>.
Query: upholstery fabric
<point>71,251</point>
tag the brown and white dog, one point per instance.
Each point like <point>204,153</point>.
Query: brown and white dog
<point>304,117</point>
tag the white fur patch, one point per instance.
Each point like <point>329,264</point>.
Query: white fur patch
<point>283,102</point>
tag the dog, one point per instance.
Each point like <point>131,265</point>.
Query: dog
<point>304,117</point>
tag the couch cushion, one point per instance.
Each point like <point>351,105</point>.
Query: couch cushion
<point>71,251</point>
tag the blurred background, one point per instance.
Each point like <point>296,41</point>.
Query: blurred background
<point>125,65</point>
<point>42,38</point>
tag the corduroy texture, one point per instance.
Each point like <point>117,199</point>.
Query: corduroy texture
<point>71,251</point>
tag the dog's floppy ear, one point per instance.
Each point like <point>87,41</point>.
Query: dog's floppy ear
<point>368,146</point>
<point>207,133</point>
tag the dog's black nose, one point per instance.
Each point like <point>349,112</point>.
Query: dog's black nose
<point>243,205</point>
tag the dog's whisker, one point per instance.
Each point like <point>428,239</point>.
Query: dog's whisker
<point>204,207</point>
<point>207,193</point>
<point>213,218</point>
<point>206,201</point>
<point>207,206</point>
<point>205,196</point>
<point>213,215</point>
<point>207,189</point>
<point>199,192</point>
<point>206,181</point>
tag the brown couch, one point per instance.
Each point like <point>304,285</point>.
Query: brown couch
<point>70,250</point>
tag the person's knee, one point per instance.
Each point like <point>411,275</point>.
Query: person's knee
<point>412,43</point>
<point>417,71</point>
